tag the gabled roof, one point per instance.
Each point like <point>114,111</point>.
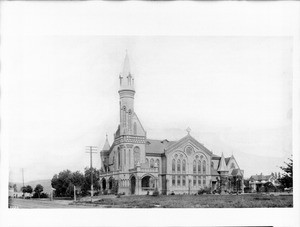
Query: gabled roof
<point>260,177</point>
<point>184,140</point>
<point>227,160</point>
<point>222,164</point>
<point>157,146</point>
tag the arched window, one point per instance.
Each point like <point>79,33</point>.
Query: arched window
<point>204,181</point>
<point>194,166</point>
<point>194,181</point>
<point>199,166</point>
<point>204,166</point>
<point>199,181</point>
<point>183,181</point>
<point>134,128</point>
<point>183,165</point>
<point>173,165</point>
<point>178,166</point>
<point>157,163</point>
<point>147,162</point>
<point>212,164</point>
<point>137,155</point>
<point>151,163</point>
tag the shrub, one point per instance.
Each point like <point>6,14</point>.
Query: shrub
<point>172,193</point>
<point>155,192</point>
<point>44,195</point>
<point>247,189</point>
<point>206,190</point>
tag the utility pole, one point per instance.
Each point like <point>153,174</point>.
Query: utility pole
<point>23,181</point>
<point>91,151</point>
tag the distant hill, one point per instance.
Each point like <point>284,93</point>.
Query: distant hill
<point>45,183</point>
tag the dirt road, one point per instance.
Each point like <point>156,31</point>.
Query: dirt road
<point>42,203</point>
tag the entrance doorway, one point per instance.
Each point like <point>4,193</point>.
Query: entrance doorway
<point>132,185</point>
<point>103,184</point>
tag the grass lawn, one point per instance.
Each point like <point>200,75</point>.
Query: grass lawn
<point>196,201</point>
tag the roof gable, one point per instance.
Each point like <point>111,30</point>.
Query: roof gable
<point>185,140</point>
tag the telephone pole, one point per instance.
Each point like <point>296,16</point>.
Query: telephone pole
<point>91,150</point>
<point>23,177</point>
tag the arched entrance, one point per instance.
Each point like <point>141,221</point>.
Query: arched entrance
<point>103,184</point>
<point>148,183</point>
<point>132,185</point>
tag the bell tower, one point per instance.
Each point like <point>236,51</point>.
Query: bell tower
<point>126,93</point>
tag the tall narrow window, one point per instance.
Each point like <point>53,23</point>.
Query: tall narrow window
<point>129,120</point>
<point>178,166</point>
<point>129,162</point>
<point>125,156</point>
<point>199,166</point>
<point>124,116</point>
<point>173,165</point>
<point>183,166</point>
<point>119,158</point>
<point>134,128</point>
<point>183,181</point>
<point>137,155</point>
<point>147,163</point>
<point>173,180</point>
<point>158,165</point>
<point>204,167</point>
<point>194,181</point>
<point>199,181</point>
<point>194,166</point>
<point>204,181</point>
<point>151,163</point>
<point>114,164</point>
<point>179,180</point>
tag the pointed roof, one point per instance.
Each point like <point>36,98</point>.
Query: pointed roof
<point>106,146</point>
<point>126,66</point>
<point>222,165</point>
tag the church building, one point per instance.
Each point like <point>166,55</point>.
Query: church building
<point>137,165</point>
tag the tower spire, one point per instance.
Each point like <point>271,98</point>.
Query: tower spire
<point>126,79</point>
<point>126,65</point>
<point>106,146</point>
<point>222,166</point>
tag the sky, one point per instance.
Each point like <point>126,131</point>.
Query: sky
<point>235,93</point>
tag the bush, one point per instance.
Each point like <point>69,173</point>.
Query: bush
<point>205,190</point>
<point>155,192</point>
<point>262,189</point>
<point>44,195</point>
<point>172,193</point>
<point>247,190</point>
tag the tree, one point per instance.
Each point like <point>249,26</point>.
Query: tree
<point>38,190</point>
<point>62,183</point>
<point>27,189</point>
<point>286,179</point>
<point>87,180</point>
